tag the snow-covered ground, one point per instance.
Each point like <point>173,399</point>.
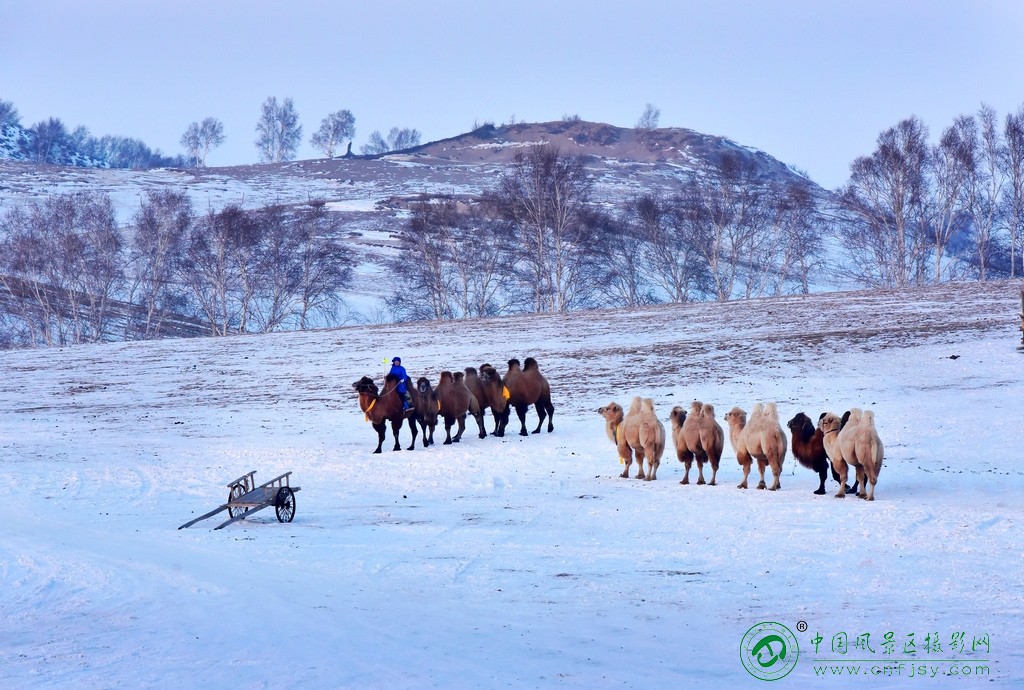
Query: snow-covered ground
<point>517,562</point>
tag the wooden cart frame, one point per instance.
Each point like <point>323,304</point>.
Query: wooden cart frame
<point>244,499</point>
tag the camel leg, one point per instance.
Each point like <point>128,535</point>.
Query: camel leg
<point>462,428</point>
<point>843,470</point>
<point>627,457</point>
<point>714,473</point>
<point>862,484</point>
<point>521,413</point>
<point>687,463</point>
<point>822,476</point>
<point>746,473</point>
<point>652,465</point>
<point>500,420</point>
<point>640,463</point>
<point>550,410</point>
<point>480,425</point>
<point>448,422</point>
<point>872,478</point>
<point>761,464</point>
<point>776,475</point>
<point>701,459</point>
<point>542,414</point>
<point>381,430</point>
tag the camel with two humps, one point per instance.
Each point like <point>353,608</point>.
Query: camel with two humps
<point>809,449</point>
<point>638,432</point>
<point>699,437</point>
<point>527,386</point>
<point>760,438</point>
<point>454,403</point>
<point>382,408</point>
<point>855,443</point>
<point>426,409</point>
<point>487,387</point>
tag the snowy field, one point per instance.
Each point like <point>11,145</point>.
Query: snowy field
<point>518,562</point>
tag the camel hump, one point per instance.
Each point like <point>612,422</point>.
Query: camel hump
<point>471,371</point>
<point>459,376</point>
<point>513,363</point>
<point>530,363</point>
<point>391,378</point>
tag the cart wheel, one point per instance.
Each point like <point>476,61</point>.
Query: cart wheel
<point>284,504</point>
<point>237,491</point>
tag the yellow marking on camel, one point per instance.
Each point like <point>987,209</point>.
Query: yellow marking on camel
<point>370,407</point>
<point>618,439</point>
<point>438,405</point>
<point>505,393</point>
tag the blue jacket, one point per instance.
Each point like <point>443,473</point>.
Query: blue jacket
<point>399,371</point>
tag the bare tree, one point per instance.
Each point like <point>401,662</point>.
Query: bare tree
<point>950,160</point>
<point>544,195</point>
<point>278,132</point>
<point>397,140</point>
<point>886,237</point>
<point>8,114</point>
<point>62,259</point>
<point>324,265</point>
<point>211,135</point>
<point>1013,169</point>
<point>208,272</point>
<point>649,118</point>
<point>985,185</point>
<point>334,129</point>
<point>155,255</point>
<point>623,281</point>
<point>670,231</point>
<point>800,237</point>
<point>49,139</point>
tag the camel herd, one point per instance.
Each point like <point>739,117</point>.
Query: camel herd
<point>457,395</point>
<point>835,443</point>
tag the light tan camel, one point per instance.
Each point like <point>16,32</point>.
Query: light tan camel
<point>639,432</point>
<point>862,449</point>
<point>697,436</point>
<point>758,437</point>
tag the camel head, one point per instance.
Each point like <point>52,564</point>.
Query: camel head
<point>677,417</point>
<point>423,386</point>
<point>736,417</point>
<point>489,374</point>
<point>801,426</point>
<point>366,386</point>
<point>830,422</point>
<point>612,412</point>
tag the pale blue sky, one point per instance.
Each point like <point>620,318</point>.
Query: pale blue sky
<point>812,82</point>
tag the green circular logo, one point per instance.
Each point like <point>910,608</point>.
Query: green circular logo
<point>769,651</point>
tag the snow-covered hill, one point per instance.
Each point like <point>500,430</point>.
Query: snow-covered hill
<point>517,562</point>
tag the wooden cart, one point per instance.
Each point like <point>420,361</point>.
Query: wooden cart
<point>244,499</point>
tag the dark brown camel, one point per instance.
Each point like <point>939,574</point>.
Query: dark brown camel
<point>381,408</point>
<point>494,395</point>
<point>426,409</point>
<point>527,386</point>
<point>454,402</point>
<point>475,410</point>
